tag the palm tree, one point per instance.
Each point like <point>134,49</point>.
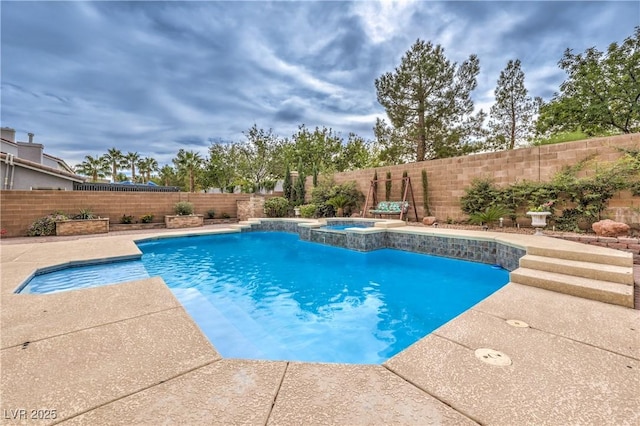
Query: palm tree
<point>167,175</point>
<point>96,167</point>
<point>132,158</point>
<point>147,165</point>
<point>188,163</point>
<point>115,158</point>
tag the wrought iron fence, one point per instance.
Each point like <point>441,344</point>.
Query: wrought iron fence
<point>120,187</point>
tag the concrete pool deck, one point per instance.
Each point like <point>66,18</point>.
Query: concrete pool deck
<point>129,354</point>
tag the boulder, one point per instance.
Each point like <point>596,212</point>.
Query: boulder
<point>429,220</point>
<point>610,228</point>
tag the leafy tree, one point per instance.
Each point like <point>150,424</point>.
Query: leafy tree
<point>188,164</point>
<point>220,167</point>
<point>512,115</point>
<point>257,159</point>
<point>320,147</point>
<point>96,167</point>
<point>355,154</point>
<point>428,99</point>
<point>601,94</point>
<point>132,159</point>
<point>115,158</point>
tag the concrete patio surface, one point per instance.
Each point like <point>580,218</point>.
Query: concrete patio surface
<point>129,354</point>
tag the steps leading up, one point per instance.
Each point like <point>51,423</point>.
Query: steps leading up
<point>603,291</point>
<point>596,271</point>
<point>593,273</point>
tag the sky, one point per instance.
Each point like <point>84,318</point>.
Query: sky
<point>153,77</point>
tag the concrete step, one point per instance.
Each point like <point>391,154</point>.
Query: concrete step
<point>603,291</point>
<point>587,253</point>
<point>603,272</point>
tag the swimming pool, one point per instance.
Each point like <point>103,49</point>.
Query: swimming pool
<point>269,295</point>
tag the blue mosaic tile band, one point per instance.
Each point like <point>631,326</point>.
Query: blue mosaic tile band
<point>490,252</point>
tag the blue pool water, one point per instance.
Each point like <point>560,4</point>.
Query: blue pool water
<point>269,295</point>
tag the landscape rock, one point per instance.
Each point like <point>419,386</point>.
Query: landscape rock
<point>429,220</point>
<point>610,228</point>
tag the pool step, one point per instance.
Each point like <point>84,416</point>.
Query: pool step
<point>597,255</point>
<point>603,291</point>
<point>215,323</point>
<point>579,268</point>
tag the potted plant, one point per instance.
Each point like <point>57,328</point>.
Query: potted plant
<point>539,216</point>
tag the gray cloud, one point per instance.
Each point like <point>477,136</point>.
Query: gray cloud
<point>154,77</point>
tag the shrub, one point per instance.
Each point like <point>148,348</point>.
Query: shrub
<point>482,194</point>
<point>211,214</point>
<point>45,225</point>
<point>126,219</point>
<point>387,187</point>
<point>425,193</point>
<point>490,215</point>
<point>308,210</point>
<point>146,218</point>
<point>183,208</point>
<point>85,214</point>
<point>276,207</point>
<point>327,189</point>
<point>225,215</point>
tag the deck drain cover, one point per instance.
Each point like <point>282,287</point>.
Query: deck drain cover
<point>493,357</point>
<point>517,323</point>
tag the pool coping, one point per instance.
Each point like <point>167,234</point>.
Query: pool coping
<point>573,334</point>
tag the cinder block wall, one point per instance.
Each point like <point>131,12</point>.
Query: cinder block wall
<point>18,209</point>
<point>449,177</point>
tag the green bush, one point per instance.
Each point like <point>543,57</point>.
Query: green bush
<point>126,219</point>
<point>45,225</point>
<point>482,194</point>
<point>211,214</point>
<point>308,210</point>
<point>146,218</point>
<point>183,208</point>
<point>85,214</point>
<point>276,207</point>
<point>327,189</point>
<point>225,215</point>
<point>490,215</point>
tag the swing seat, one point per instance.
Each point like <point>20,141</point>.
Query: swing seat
<point>390,208</point>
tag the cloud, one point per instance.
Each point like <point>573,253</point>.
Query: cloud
<point>154,77</point>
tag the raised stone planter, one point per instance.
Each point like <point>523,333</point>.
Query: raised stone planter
<point>82,227</point>
<point>184,221</point>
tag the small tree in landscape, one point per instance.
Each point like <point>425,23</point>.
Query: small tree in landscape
<point>403,186</point>
<point>387,187</point>
<point>287,187</point>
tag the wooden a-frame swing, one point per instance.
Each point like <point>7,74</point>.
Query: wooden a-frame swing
<point>372,197</point>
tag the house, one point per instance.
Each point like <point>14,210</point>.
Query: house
<point>25,166</point>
